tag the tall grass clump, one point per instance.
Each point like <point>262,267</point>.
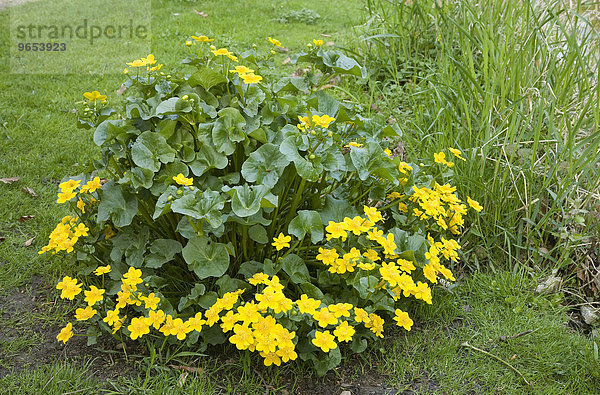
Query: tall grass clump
<point>514,85</point>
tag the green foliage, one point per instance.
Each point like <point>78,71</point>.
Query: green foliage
<point>305,15</point>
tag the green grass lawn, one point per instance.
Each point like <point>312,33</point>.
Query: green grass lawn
<point>40,145</point>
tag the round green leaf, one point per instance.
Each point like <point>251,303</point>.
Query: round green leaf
<point>206,259</point>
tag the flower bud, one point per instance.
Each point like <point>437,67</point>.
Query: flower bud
<point>188,43</point>
<point>169,198</point>
<point>185,97</point>
<point>330,134</point>
<point>179,192</point>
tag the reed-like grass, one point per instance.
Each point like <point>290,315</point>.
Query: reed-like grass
<point>514,85</point>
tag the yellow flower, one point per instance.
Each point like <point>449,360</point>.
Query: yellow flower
<point>324,340</point>
<point>403,319</point>
<point>373,214</point>
<point>100,270</point>
<point>69,185</point>
<point>336,230</point>
<point>151,302</point>
<point>325,317</point>
<point>353,144</point>
<point>258,278</point>
<point>474,204</point>
<point>344,332</point>
<point>406,266</point>
<point>251,78</point>
<point>85,314</point>
<point>112,316</point>
<point>149,60</point>
<point>387,152</point>
<point>182,180</point>
<point>243,337</point>
<point>275,42</point>
<point>179,329</point>
<point>138,327</point>
<point>241,70</point>
<point>195,323</point>
<point>81,205</point>
<point>340,309</point>
<point>318,43</point>
<point>93,296</point>
<point>69,288</point>
<point>307,305</point>
<point>80,230</point>
<point>202,39</point>
<point>92,185</point>
<point>65,333</point>
<point>155,318</point>
<point>65,196</point>
<point>137,63</point>
<point>360,315</point>
<point>281,241</point>
<point>94,96</point>
<point>372,255</point>
<point>155,68</point>
<point>323,120</point>
<point>440,157</point>
<point>327,256</point>
<point>457,153</point>
<point>126,71</point>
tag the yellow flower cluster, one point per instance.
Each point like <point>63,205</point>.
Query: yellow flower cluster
<point>148,62</point>
<point>322,121</point>
<point>246,74</point>
<point>65,235</point>
<point>223,52</point>
<point>441,204</point>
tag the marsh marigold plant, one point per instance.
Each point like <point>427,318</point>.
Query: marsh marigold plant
<point>229,206</point>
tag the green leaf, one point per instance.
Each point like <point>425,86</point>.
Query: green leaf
<point>206,259</point>
<point>307,221</point>
<point>162,251</point>
<point>150,149</point>
<point>172,106</point>
<point>140,177</point>
<point>201,205</point>
<point>228,284</point>
<point>258,233</point>
<point>228,129</point>
<point>117,205</point>
<point>327,361</point>
<point>336,210</point>
<point>365,285</point>
<point>295,267</point>
<point>370,160</point>
<point>305,169</point>
<point>207,158</point>
<point>265,165</point>
<point>246,199</point>
<point>206,78</point>
<point>342,64</point>
<point>132,245</point>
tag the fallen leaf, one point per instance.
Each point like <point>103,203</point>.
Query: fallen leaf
<point>29,191</point>
<point>2,239</point>
<point>513,357</point>
<point>182,378</point>
<point>121,89</point>
<point>9,180</point>
<point>286,60</point>
<point>330,43</point>
<point>25,218</point>
<point>202,14</point>
<point>325,35</point>
<point>28,242</point>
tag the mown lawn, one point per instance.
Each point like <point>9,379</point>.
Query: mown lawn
<point>40,144</point>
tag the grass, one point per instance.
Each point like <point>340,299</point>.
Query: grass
<point>437,103</point>
<point>514,85</point>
